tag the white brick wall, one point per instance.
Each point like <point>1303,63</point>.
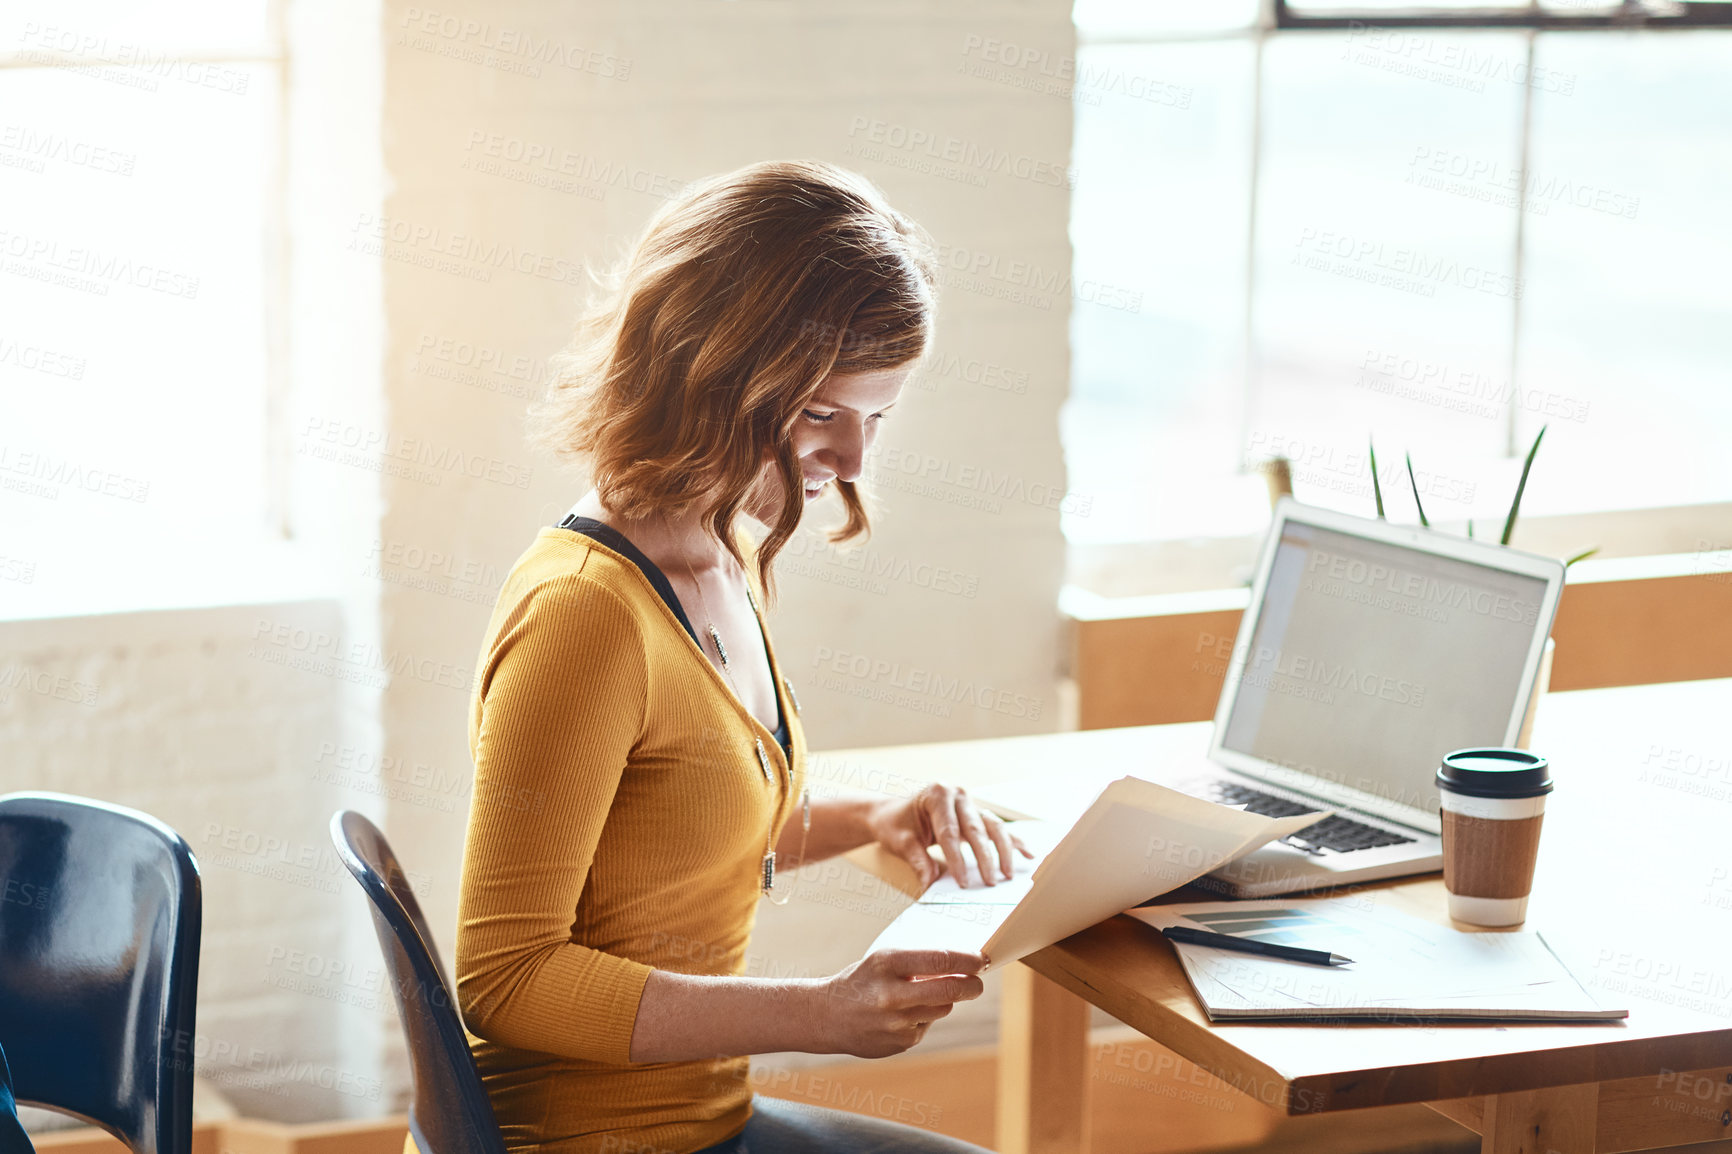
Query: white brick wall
<point>709,87</point>
<point>421,349</point>
<point>196,717</point>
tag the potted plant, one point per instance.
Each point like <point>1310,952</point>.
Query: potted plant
<point>1543,679</point>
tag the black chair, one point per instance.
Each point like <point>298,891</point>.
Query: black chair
<point>100,913</point>
<point>448,1109</point>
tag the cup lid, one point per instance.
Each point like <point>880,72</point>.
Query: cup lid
<point>1495,772</point>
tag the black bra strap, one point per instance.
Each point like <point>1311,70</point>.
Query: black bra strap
<point>618,542</point>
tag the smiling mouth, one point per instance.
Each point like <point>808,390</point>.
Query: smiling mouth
<point>815,488</point>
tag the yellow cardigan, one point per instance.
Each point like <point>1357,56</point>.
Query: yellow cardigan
<point>617,825</point>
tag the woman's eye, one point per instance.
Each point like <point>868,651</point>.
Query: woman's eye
<point>819,418</point>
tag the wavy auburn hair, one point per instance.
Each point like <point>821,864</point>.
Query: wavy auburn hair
<point>740,298</point>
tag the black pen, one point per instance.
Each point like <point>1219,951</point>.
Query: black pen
<point>1253,946</point>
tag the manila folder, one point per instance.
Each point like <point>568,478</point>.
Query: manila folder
<point>1138,840</point>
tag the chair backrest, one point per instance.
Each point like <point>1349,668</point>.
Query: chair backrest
<point>448,1110</point>
<point>100,913</point>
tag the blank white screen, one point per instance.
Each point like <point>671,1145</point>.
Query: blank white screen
<point>1370,661</point>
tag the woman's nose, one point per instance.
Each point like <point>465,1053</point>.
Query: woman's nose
<point>848,452</point>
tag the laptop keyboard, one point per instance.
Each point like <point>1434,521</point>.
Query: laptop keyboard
<point>1341,834</point>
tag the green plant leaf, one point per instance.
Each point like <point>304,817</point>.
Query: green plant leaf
<point>1376,487</point>
<point>1521,486</point>
<point>1415,485</point>
<point>1582,556</point>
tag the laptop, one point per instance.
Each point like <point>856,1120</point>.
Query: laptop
<point>1368,651</point>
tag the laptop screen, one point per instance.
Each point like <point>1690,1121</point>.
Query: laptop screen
<point>1370,661</point>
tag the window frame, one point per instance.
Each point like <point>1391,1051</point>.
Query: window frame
<point>1631,15</point>
<point>1276,17</point>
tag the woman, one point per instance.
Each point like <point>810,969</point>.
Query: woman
<point>639,760</point>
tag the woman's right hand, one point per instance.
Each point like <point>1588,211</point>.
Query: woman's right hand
<point>882,1004</point>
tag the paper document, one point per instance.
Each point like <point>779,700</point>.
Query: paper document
<point>1403,967</point>
<point>1046,798</point>
<point>1137,841</point>
<point>1039,836</point>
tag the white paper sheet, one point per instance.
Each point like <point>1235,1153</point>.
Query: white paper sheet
<point>1039,836</point>
<point>1404,967</point>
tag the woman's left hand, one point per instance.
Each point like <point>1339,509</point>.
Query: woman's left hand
<point>944,814</point>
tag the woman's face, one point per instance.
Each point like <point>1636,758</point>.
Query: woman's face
<point>833,434</point>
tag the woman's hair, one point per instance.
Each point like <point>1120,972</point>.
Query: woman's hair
<point>741,297</point>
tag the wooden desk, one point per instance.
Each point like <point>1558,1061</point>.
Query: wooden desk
<point>1634,890</point>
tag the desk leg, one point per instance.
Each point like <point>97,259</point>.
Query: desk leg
<point>1043,1067</point>
<point>1559,1120</point>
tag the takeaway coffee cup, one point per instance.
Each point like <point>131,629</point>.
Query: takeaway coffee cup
<point>1493,801</point>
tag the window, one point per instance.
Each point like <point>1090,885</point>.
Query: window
<point>1442,231</point>
<point>139,175</point>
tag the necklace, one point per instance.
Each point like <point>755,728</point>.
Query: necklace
<point>768,883</point>
<point>805,829</point>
